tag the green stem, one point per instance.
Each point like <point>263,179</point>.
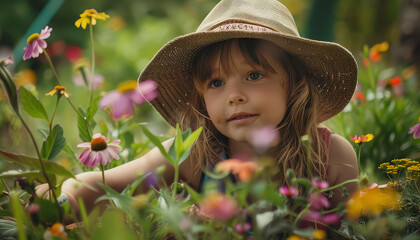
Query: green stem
<point>93,62</point>
<point>103,173</point>
<point>51,66</point>
<point>358,158</point>
<point>5,185</point>
<point>55,110</point>
<point>339,185</point>
<point>175,186</point>
<point>52,192</point>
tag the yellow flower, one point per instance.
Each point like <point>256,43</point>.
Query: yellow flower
<point>59,90</point>
<point>89,16</point>
<point>372,202</point>
<point>362,138</point>
<point>25,77</point>
<point>56,230</point>
<point>139,201</point>
<point>319,234</point>
<point>296,237</point>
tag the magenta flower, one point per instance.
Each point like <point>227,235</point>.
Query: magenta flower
<point>288,191</point>
<point>318,201</point>
<point>264,138</point>
<point>123,99</point>
<point>36,43</point>
<point>416,130</point>
<point>219,207</point>
<point>315,216</point>
<point>320,184</point>
<point>99,151</point>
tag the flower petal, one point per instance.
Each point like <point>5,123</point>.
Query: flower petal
<point>28,52</point>
<point>84,145</point>
<point>135,97</point>
<point>111,98</point>
<point>45,33</point>
<point>125,108</point>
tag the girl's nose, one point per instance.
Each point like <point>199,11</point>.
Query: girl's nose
<point>237,97</point>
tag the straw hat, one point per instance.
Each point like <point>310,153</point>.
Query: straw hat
<point>331,66</point>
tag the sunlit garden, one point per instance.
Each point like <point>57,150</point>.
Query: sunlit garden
<point>69,88</point>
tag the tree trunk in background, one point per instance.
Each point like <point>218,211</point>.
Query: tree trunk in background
<point>321,20</point>
<point>407,51</point>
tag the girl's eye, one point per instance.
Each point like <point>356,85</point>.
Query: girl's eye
<point>254,76</point>
<point>216,83</point>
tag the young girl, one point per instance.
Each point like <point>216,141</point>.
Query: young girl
<point>246,67</point>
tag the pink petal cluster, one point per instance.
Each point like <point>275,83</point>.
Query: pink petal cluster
<point>219,207</point>
<point>318,201</point>
<point>6,61</point>
<point>122,103</point>
<point>320,184</point>
<point>99,151</point>
<point>288,191</point>
<point>416,130</point>
<point>36,46</point>
<point>241,229</point>
<point>264,138</point>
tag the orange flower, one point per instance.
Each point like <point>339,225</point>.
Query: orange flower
<point>219,207</point>
<point>360,96</point>
<point>60,90</point>
<point>56,230</point>
<point>375,52</point>
<point>395,81</point>
<point>243,169</point>
<point>362,138</point>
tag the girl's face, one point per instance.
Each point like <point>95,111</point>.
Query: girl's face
<point>247,97</point>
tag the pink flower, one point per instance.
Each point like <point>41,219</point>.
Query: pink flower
<point>6,61</point>
<point>127,94</point>
<point>314,216</point>
<point>264,138</point>
<point>36,43</point>
<point>318,201</point>
<point>219,207</point>
<point>99,151</point>
<point>416,130</point>
<point>96,80</point>
<point>241,229</point>
<point>288,191</point>
<point>320,184</point>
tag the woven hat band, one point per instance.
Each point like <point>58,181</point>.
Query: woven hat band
<point>240,26</point>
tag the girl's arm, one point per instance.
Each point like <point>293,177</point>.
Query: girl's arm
<point>117,178</point>
<point>342,166</point>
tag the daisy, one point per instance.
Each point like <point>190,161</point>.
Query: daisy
<point>61,90</point>
<point>122,99</point>
<point>89,16</point>
<point>99,151</point>
<point>36,43</point>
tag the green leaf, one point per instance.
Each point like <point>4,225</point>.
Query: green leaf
<point>157,143</point>
<point>31,175</point>
<point>215,175</point>
<point>19,215</point>
<point>50,167</point>
<point>179,146</point>
<point>31,105</point>
<point>194,195</point>
<point>92,109</point>
<point>188,143</point>
<point>129,190</point>
<point>48,211</point>
<point>59,141</point>
<point>8,229</point>
<point>82,124</point>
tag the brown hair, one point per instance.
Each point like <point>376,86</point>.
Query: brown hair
<point>300,118</point>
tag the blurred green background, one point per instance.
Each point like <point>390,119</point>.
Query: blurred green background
<point>137,29</point>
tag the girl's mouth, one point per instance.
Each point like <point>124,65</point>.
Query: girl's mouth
<point>241,117</point>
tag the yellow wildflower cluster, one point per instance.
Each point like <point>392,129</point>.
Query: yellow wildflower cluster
<point>397,165</point>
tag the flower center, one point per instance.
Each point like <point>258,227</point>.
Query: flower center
<point>59,88</point>
<point>32,38</point>
<point>127,86</point>
<point>98,144</point>
<point>90,12</point>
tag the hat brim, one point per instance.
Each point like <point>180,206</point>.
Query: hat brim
<point>331,66</point>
